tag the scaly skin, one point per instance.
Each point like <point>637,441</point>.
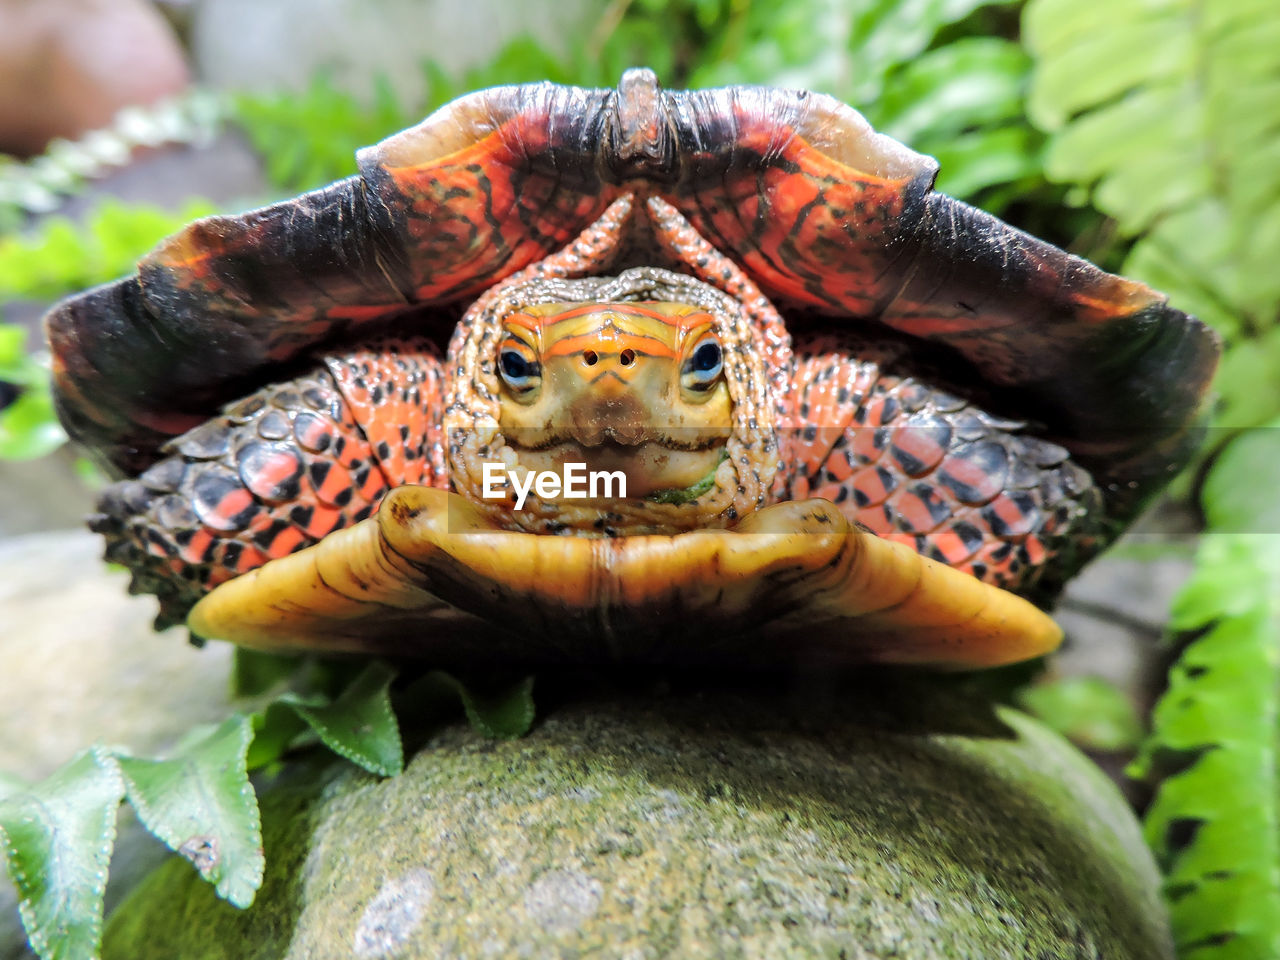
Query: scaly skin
<point>924,467</point>
<point>277,472</point>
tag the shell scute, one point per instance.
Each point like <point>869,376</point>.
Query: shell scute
<point>820,210</point>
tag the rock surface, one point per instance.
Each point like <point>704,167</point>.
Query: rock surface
<point>84,665</point>
<point>894,821</point>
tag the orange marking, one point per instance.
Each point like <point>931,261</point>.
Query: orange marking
<point>194,551</point>
<point>1012,515</point>
<point>839,467</point>
<point>362,313</point>
<point>972,475</point>
<point>324,520</point>
<point>874,519</point>
<point>919,444</point>
<point>276,470</point>
<point>287,541</point>
<point>374,484</point>
<point>950,545</point>
<point>335,481</point>
<point>862,444</point>
<point>250,558</point>
<point>232,504</point>
<point>869,483</point>
<point>1036,551</point>
<point>913,512</point>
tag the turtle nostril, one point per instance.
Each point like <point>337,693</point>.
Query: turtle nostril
<point>628,357</point>
<point>590,358</point>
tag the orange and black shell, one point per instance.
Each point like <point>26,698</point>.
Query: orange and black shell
<point>834,223</point>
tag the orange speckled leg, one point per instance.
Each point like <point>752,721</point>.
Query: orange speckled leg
<point>924,467</point>
<point>277,471</point>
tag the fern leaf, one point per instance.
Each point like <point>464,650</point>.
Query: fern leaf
<point>1167,111</point>
<point>1215,820</point>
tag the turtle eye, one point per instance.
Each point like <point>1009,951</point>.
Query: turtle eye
<point>519,370</point>
<point>705,364</point>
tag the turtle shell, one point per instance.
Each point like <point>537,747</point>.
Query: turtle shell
<point>824,217</point>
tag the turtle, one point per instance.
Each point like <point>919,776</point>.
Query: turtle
<point>860,420</point>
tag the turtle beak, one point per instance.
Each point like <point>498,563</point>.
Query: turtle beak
<point>613,385</point>
<point>618,419</point>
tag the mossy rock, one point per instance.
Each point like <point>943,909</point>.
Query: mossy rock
<point>899,820</point>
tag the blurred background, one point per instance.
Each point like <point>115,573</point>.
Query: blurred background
<point>1142,134</point>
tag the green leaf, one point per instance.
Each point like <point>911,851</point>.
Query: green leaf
<point>29,428</point>
<point>360,724</point>
<point>975,81</point>
<point>963,104</point>
<point>1087,710</point>
<point>982,159</point>
<point>886,33</point>
<point>60,257</point>
<point>309,139</point>
<point>201,805</point>
<point>57,837</point>
<point>275,730</point>
<point>1247,364</point>
<point>504,712</point>
<point>255,672</point>
<point>13,359</point>
<point>1240,492</point>
<point>1215,750</point>
<point>1167,112</point>
<point>523,60</point>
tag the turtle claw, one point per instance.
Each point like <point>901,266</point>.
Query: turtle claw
<point>432,576</point>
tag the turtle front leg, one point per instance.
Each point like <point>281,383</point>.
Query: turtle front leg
<point>277,471</point>
<point>922,466</point>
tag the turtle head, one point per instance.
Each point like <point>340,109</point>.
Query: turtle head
<point>636,403</point>
<point>633,387</point>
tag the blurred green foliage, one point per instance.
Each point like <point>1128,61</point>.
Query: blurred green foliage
<point>1213,823</point>
<point>28,427</point>
<point>59,256</point>
<point>1087,710</point>
<point>47,262</point>
<point>929,72</point>
<point>1165,115</point>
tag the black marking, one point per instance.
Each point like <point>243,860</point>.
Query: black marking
<point>209,489</point>
<point>990,458</point>
<point>256,459</point>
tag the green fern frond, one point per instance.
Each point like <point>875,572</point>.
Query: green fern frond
<point>1215,820</point>
<point>1168,112</point>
